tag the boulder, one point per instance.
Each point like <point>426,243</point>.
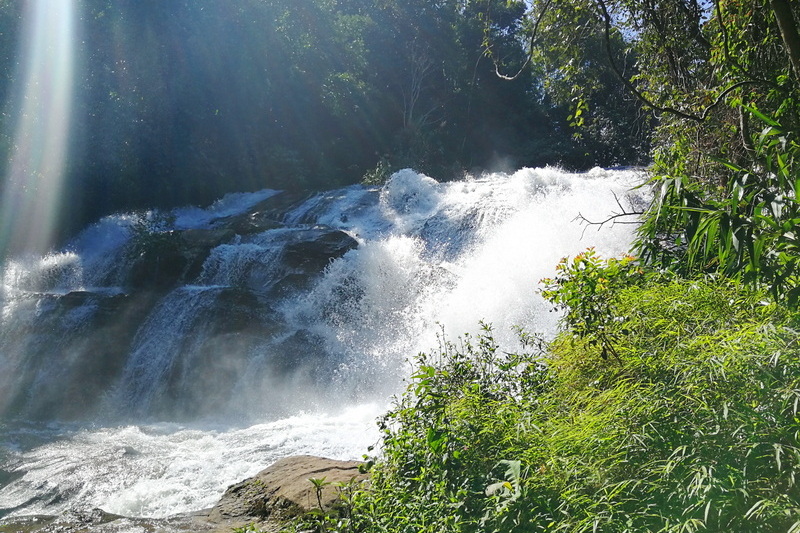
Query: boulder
<point>255,222</point>
<point>266,500</point>
<point>284,490</point>
<point>315,247</point>
<point>162,260</point>
<point>263,216</point>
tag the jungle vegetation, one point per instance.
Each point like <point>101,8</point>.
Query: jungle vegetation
<point>669,401</point>
<point>181,102</point>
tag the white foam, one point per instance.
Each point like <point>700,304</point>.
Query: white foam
<point>160,470</point>
<point>431,256</point>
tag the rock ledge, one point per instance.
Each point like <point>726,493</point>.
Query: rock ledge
<point>283,490</point>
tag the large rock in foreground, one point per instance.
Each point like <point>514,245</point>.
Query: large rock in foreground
<point>267,500</point>
<point>284,490</point>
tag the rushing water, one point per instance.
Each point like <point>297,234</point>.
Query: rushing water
<point>162,424</point>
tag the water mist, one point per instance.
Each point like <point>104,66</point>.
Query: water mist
<point>277,327</point>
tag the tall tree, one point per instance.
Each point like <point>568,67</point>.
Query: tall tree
<point>722,78</point>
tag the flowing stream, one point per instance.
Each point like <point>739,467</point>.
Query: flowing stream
<point>143,388</point>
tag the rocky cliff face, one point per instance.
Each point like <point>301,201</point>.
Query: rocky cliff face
<point>164,323</point>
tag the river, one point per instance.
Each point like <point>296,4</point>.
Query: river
<point>164,411</point>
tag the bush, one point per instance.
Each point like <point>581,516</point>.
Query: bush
<point>692,426</point>
<point>746,228</point>
<point>446,437</point>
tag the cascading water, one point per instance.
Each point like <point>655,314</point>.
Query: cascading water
<point>163,356</point>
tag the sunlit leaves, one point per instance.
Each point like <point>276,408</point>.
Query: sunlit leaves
<point>748,230</point>
<point>693,428</point>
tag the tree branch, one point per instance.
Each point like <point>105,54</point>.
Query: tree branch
<point>789,32</point>
<point>529,58</point>
<point>613,218</point>
<point>606,16</point>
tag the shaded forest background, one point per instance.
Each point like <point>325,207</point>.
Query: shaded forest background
<point>181,102</point>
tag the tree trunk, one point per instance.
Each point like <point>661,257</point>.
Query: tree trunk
<point>789,32</point>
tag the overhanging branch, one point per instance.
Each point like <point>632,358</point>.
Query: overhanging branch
<point>606,16</point>
<point>529,57</point>
<point>614,218</point>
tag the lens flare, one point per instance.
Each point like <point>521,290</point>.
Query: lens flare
<point>35,172</point>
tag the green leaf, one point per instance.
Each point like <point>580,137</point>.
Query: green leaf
<point>436,439</point>
<point>761,116</point>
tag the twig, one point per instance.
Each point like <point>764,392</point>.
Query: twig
<point>613,218</point>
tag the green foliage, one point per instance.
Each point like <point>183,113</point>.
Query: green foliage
<point>585,288</point>
<point>179,103</point>
<point>339,518</point>
<point>722,78</point>
<point>249,528</point>
<point>747,229</point>
<point>378,175</point>
<point>570,58</point>
<point>446,464</point>
<point>319,485</point>
<point>694,426</point>
<point>692,413</point>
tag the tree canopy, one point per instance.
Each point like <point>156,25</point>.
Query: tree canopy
<point>181,102</point>
<point>721,78</point>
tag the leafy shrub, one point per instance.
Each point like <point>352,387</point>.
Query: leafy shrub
<point>747,228</point>
<point>378,175</point>
<point>693,428</point>
<point>694,425</point>
<point>585,288</point>
<point>445,438</point>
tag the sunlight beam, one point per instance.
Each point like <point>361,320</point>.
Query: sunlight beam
<point>35,173</point>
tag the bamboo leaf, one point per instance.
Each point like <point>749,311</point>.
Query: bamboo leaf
<point>753,511</point>
<point>764,118</point>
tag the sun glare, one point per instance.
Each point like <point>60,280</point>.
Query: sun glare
<point>34,180</point>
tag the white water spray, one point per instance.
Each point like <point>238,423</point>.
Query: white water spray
<point>430,256</point>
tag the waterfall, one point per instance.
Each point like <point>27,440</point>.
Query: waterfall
<point>161,356</point>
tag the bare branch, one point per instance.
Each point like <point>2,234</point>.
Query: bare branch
<point>529,58</point>
<point>614,218</point>
<point>421,66</point>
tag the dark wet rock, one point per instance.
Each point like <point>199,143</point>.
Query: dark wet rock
<point>291,283</point>
<point>162,260</point>
<point>316,247</point>
<point>256,222</point>
<point>157,260</point>
<point>244,310</point>
<point>235,324</point>
<point>302,350</point>
<point>166,260</point>
<point>68,356</point>
<point>82,343</point>
<point>206,381</point>
<point>206,239</point>
<point>265,215</point>
<point>303,257</point>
